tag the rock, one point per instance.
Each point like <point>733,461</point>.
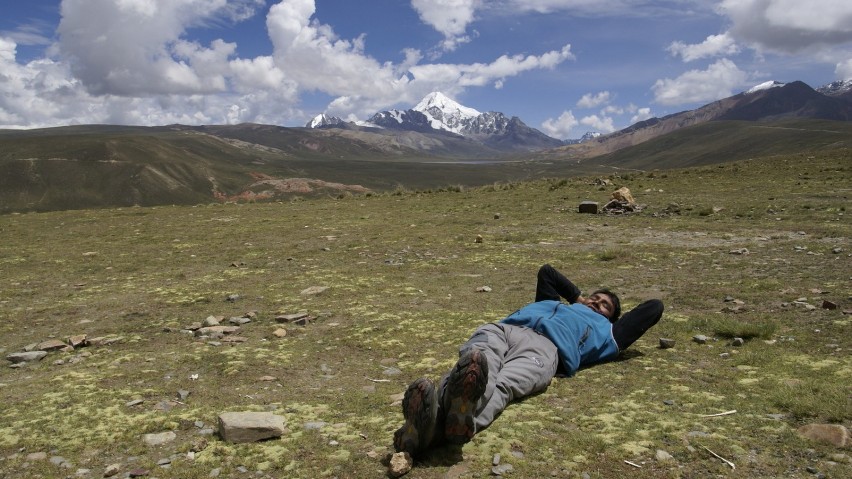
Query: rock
<point>78,341</point>
<point>134,402</point>
<point>737,342</point>
<point>835,434</point>
<point>826,304</point>
<point>478,239</point>
<point>666,343</point>
<point>210,321</point>
<point>137,473</point>
<point>623,195</point>
<point>496,216</point>
<point>495,461</point>
<point>590,207</point>
<point>239,427</point>
<point>663,456</point>
<point>739,251</point>
<point>239,321</point>
<point>314,425</point>
<point>267,378</point>
<point>700,339</point>
<point>159,438</point>
<point>400,464</point>
<point>183,394</point>
<point>26,357</point>
<point>231,298</point>
<point>501,469</point>
<point>234,339</point>
<point>36,456</point>
<point>217,330</point>
<point>837,250</point>
<point>112,470</point>
<point>313,290</point>
<point>483,289</point>
<point>51,345</point>
<point>279,333</point>
<point>668,402</point>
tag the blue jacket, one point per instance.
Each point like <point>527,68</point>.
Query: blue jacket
<point>581,335</point>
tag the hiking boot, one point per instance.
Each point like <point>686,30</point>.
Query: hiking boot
<point>464,388</point>
<point>420,410</point>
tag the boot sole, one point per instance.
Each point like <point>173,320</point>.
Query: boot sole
<point>420,410</point>
<point>465,387</point>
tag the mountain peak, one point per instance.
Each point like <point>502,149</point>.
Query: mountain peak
<point>765,86</point>
<point>445,113</point>
<point>322,120</point>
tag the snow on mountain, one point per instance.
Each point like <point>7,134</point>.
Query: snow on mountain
<point>322,120</point>
<point>589,135</point>
<point>765,86</point>
<point>444,113</point>
<point>836,88</point>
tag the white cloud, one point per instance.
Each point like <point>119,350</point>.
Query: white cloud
<point>590,100</point>
<point>448,17</point>
<point>714,45</point>
<point>603,124</point>
<point>641,115</point>
<point>694,86</point>
<point>560,127</point>
<point>844,70</point>
<point>789,26</point>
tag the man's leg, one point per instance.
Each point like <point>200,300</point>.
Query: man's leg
<point>519,362</point>
<point>527,367</point>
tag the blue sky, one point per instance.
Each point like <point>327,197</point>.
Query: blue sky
<point>562,66</point>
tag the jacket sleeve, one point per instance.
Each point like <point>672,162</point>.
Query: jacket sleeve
<point>635,322</point>
<point>551,285</point>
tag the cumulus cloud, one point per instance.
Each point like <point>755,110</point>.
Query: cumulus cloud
<point>448,17</point>
<point>560,127</point>
<point>844,70</point>
<point>642,114</point>
<point>714,45</point>
<point>590,100</point>
<point>603,124</point>
<point>716,82</point>
<point>789,26</point>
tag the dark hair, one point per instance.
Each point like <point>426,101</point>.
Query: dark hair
<point>616,303</point>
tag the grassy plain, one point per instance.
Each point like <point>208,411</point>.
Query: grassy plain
<point>402,270</point>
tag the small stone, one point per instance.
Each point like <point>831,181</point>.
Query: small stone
<point>112,470</point>
<point>239,321</point>
<point>737,342</point>
<point>663,456</point>
<point>495,461</point>
<point>240,427</point>
<point>668,402</point>
<point>478,239</point>
<point>739,251</point>
<point>483,289</point>
<point>392,372</point>
<point>314,425</point>
<point>666,343</point>
<point>231,298</point>
<point>267,378</point>
<point>517,454</point>
<point>138,473</point>
<point>36,456</point>
<point>279,333</point>
<point>700,339</point>
<point>82,472</point>
<point>289,318</point>
<point>210,321</point>
<point>400,464</point>
<point>724,355</point>
<point>313,290</point>
<point>812,469</point>
<point>496,216</point>
<point>78,341</point>
<point>837,250</point>
<point>159,438</point>
<point>215,472</point>
<point>183,394</point>
<point>501,469</point>
<point>164,462</point>
<point>134,402</point>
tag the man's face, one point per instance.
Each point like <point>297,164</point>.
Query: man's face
<point>601,303</point>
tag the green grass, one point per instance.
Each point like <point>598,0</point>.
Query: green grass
<point>402,271</point>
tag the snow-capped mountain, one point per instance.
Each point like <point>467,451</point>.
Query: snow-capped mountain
<point>323,120</point>
<point>765,86</point>
<point>837,88</point>
<point>589,135</point>
<point>437,113</point>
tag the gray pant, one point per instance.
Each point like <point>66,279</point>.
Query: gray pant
<point>521,362</point>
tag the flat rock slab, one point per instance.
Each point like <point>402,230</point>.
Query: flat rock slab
<point>159,438</point>
<point>51,345</point>
<point>239,427</point>
<point>835,434</point>
<point>16,358</point>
